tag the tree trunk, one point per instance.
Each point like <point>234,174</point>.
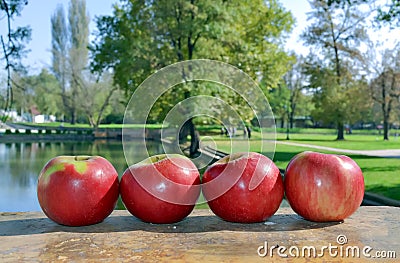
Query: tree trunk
<point>386,127</point>
<point>189,128</point>
<point>293,105</point>
<point>386,108</point>
<point>91,121</point>
<point>291,119</point>
<point>340,133</point>
<point>73,117</point>
<point>183,133</point>
<point>103,107</point>
<point>194,142</point>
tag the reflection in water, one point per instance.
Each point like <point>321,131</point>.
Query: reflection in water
<point>20,164</point>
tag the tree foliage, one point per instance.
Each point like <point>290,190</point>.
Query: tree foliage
<point>98,95</point>
<point>387,11</point>
<point>70,53</point>
<point>59,50</point>
<point>279,99</point>
<point>81,93</point>
<point>295,80</point>
<point>347,102</point>
<point>385,84</point>
<point>144,36</point>
<point>390,13</point>
<point>12,46</point>
<point>335,33</point>
<point>39,92</point>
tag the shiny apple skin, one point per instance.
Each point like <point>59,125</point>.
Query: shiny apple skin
<point>241,201</point>
<point>323,187</point>
<point>163,192</point>
<point>74,196</point>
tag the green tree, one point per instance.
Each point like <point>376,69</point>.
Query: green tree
<point>165,32</point>
<point>386,11</point>
<point>59,50</point>
<point>295,80</point>
<point>337,34</point>
<point>47,97</point>
<point>78,28</point>
<point>98,94</point>
<point>81,93</point>
<point>144,36</point>
<point>24,93</point>
<point>70,53</point>
<point>37,91</point>
<point>279,99</point>
<point>13,46</point>
<point>348,101</point>
<point>385,85</point>
<point>390,12</point>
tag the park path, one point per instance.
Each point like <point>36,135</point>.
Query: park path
<point>390,153</point>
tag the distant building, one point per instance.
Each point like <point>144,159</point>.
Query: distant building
<point>34,116</point>
<point>37,117</point>
<point>11,114</point>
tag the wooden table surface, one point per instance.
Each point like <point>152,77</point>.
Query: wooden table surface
<point>372,231</point>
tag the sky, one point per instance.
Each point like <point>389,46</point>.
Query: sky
<point>299,9</point>
<point>37,14</point>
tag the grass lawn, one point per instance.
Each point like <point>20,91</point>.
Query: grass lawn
<point>381,174</point>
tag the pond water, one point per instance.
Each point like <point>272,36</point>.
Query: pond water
<point>21,163</point>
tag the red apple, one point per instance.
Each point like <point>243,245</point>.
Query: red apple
<point>161,189</point>
<point>243,187</point>
<point>78,190</point>
<point>323,187</point>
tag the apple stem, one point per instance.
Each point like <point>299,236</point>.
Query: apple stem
<point>82,158</point>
